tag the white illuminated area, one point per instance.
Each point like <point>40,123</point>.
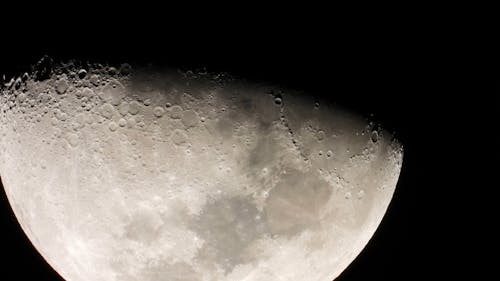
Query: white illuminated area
<point>150,175</point>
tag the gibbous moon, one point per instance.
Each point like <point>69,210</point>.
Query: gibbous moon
<point>144,174</point>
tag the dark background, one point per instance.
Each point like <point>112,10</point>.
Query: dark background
<point>401,73</point>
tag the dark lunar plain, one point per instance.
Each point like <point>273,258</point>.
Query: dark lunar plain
<point>400,76</point>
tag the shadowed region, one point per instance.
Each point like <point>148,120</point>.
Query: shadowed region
<point>295,203</point>
<point>229,226</point>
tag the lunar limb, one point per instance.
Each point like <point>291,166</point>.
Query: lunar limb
<point>151,174</point>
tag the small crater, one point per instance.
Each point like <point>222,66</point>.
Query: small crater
<point>347,195</point>
<point>82,73</point>
<point>316,104</point>
<point>112,126</point>
<point>122,122</point>
<point>320,135</point>
<point>189,118</point>
<point>107,110</point>
<point>123,108</point>
<point>62,86</point>
<point>374,136</point>
<point>361,194</point>
<point>125,69</point>
<point>94,79</point>
<point>158,111</point>
<point>73,139</point>
<point>278,100</point>
<point>176,112</point>
<point>134,107</point>
<point>179,137</point>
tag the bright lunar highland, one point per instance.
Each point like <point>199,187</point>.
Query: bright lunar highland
<point>149,174</point>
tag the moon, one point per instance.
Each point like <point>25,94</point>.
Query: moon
<point>144,173</point>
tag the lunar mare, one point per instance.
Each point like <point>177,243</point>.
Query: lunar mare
<point>147,174</point>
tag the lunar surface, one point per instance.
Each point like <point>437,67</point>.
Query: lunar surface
<point>145,174</point>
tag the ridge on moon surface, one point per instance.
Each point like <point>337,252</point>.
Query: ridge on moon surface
<point>148,174</point>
